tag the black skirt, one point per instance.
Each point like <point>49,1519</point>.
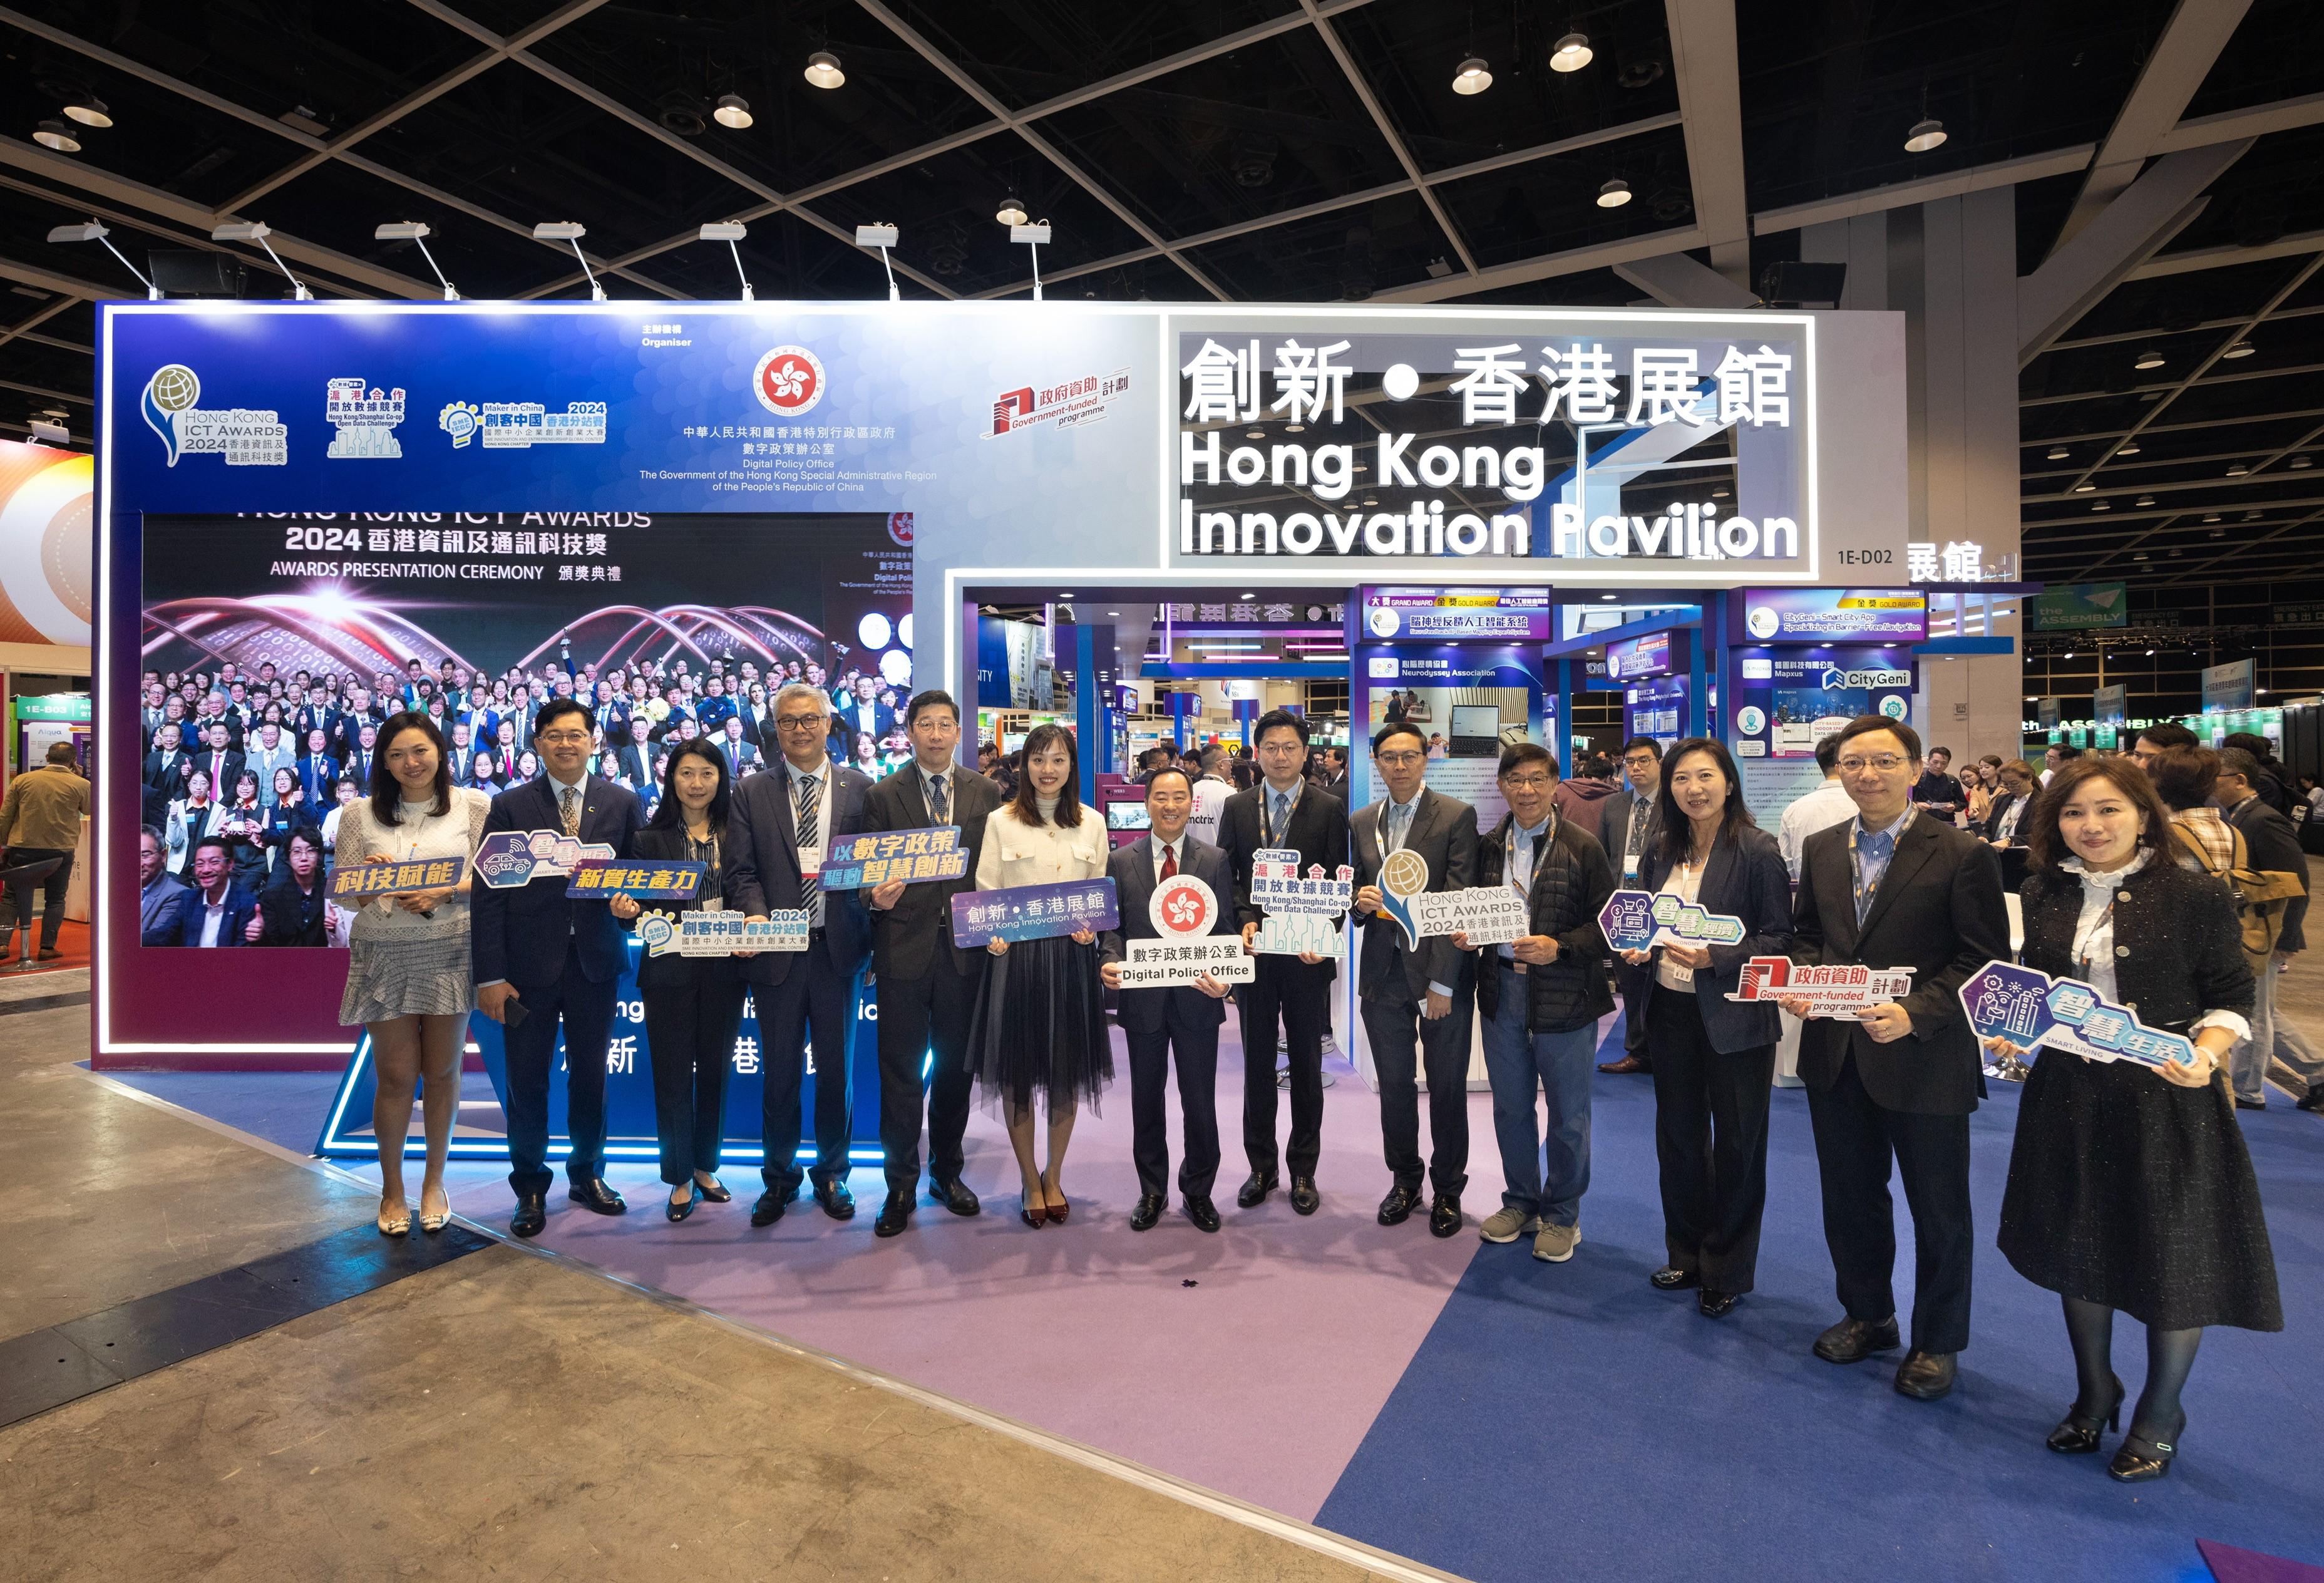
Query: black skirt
<point>2128,1190</point>
<point>1039,1027</point>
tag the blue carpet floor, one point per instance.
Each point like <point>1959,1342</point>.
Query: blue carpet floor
<point>1569,1421</point>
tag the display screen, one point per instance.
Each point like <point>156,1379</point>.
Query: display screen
<point>1128,816</point>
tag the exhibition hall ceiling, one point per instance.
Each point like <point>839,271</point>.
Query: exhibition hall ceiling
<point>1238,149</point>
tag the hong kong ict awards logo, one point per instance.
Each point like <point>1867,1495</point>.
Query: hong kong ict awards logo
<point>788,380</point>
<point>244,436</point>
<point>173,389</point>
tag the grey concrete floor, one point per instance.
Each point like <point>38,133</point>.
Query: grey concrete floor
<point>506,1415</point>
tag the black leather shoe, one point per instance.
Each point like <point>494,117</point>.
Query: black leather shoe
<point>1149,1212</point>
<point>953,1194</point>
<point>2140,1460</point>
<point>2314,1098</point>
<point>1671,1278</point>
<point>680,1208</point>
<point>2241,1104</point>
<point>715,1192</point>
<point>1396,1208</point>
<point>1853,1341</point>
<point>1715,1305</point>
<point>894,1216</point>
<point>1444,1214</point>
<point>2077,1435</point>
<point>1925,1377</point>
<point>1305,1198</point>
<point>532,1214</point>
<point>1202,1212</point>
<point>1254,1190</point>
<point>770,1207</point>
<point>594,1194</point>
<point>837,1200</point>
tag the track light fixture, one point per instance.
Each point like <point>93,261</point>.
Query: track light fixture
<point>1032,236</point>
<point>732,232</point>
<point>257,231</point>
<point>92,231</point>
<point>569,231</point>
<point>416,231</point>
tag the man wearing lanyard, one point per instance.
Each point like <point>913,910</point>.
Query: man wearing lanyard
<point>1283,813</point>
<point>1626,823</point>
<point>1889,890</point>
<point>1416,1000</point>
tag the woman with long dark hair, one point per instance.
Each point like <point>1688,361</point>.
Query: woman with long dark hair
<point>409,983</point>
<point>242,825</point>
<point>694,1004</point>
<point>2129,1185</point>
<point>294,910</point>
<point>1039,1024</point>
<point>1714,1059</point>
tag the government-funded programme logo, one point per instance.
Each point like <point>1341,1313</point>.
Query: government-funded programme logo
<point>788,380</point>
<point>1068,404</point>
<point>364,420</point>
<point>247,437</point>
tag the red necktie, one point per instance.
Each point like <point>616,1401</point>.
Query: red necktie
<point>1170,862</point>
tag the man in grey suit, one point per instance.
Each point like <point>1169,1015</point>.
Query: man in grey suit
<point>1416,1003</point>
<point>1626,822</point>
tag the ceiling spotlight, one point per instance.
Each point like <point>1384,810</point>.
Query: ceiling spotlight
<point>2146,500</point>
<point>2149,359</point>
<point>2212,518</point>
<point>89,111</point>
<point>2149,654</point>
<point>1254,434</point>
<point>258,231</point>
<point>1609,595</point>
<point>2058,453</point>
<point>2127,447</point>
<point>416,231</point>
<point>732,232</point>
<point>1924,137</point>
<point>571,233</point>
<point>2301,463</point>
<point>823,69</point>
<point>1011,212</point>
<point>1474,77</point>
<point>91,231</point>
<point>2084,487</point>
<point>2252,516</point>
<point>1573,53</point>
<point>2238,469</point>
<point>2240,349</point>
<point>2101,506</point>
<point>733,110</point>
<point>57,135</point>
<point>1614,194</point>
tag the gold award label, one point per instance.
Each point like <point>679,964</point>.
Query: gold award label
<point>1404,874</point>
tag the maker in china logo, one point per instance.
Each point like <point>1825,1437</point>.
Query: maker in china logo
<point>788,380</point>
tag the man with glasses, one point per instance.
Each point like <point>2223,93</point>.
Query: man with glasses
<point>783,823</point>
<point>1416,1002</point>
<point>1283,812</point>
<point>1628,823</point>
<point>1889,890</point>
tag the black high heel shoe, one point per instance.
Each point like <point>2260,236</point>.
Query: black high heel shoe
<point>2140,1459</point>
<point>2076,1435</point>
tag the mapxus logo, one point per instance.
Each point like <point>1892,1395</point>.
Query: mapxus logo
<point>788,380</point>
<point>247,437</point>
<point>1835,679</point>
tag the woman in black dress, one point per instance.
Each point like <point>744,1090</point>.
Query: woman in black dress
<point>2129,1186</point>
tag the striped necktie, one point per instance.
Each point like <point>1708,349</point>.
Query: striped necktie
<point>939,805</point>
<point>809,811</point>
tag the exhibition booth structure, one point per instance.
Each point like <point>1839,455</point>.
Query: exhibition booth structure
<point>1465,516</point>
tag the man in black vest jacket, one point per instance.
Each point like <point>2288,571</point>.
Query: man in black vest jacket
<point>1889,889</point>
<point>926,985</point>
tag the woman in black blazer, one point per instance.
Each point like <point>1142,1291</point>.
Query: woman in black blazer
<point>1714,1059</point>
<point>2129,1186</point>
<point>694,1004</point>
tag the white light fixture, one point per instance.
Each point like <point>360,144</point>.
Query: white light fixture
<point>2084,487</point>
<point>416,231</point>
<point>89,111</point>
<point>2146,500</point>
<point>883,237</point>
<point>56,433</point>
<point>2127,447</point>
<point>2058,453</point>
<point>1474,77</point>
<point>2101,506</point>
<point>1011,212</point>
<point>1608,596</point>
<point>1924,136</point>
<point>2301,463</point>
<point>2149,654</point>
<point>2238,469</point>
<point>93,232</point>
<point>2149,359</point>
<point>733,110</point>
<point>731,232</point>
<point>2240,349</point>
<point>258,231</point>
<point>1032,236</point>
<point>569,232</point>
<point>1614,194</point>
<point>1573,53</point>
<point>57,135</point>
<point>823,69</point>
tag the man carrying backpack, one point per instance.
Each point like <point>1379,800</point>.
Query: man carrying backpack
<point>2274,909</point>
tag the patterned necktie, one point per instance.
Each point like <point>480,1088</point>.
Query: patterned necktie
<point>939,805</point>
<point>1170,860</point>
<point>1399,816</point>
<point>1282,817</point>
<point>810,805</point>
<point>571,811</point>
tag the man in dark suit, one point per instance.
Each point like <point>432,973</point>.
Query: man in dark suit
<point>319,770</point>
<point>783,825</point>
<point>1896,887</point>
<point>459,756</point>
<point>739,753</point>
<point>555,957</point>
<point>221,761</point>
<point>216,912</point>
<point>861,711</point>
<point>1626,822</point>
<point>1416,1003</point>
<point>1335,772</point>
<point>642,757</point>
<point>168,764</point>
<point>1295,992</point>
<point>1179,1020</point>
<point>926,985</point>
<point>361,751</point>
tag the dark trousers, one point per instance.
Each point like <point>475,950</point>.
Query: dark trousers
<point>1632,984</point>
<point>1402,1042</point>
<point>19,897</point>
<point>1711,1136</point>
<point>1297,996</point>
<point>587,1010</point>
<point>690,1032</point>
<point>1855,1139</point>
<point>1196,1051</point>
<point>920,1019</point>
<point>815,1000</point>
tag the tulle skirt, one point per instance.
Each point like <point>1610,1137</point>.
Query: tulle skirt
<point>1039,1027</point>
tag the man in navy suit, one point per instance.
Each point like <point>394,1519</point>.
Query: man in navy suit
<point>555,957</point>
<point>216,912</point>
<point>318,772</point>
<point>1159,1021</point>
<point>783,823</point>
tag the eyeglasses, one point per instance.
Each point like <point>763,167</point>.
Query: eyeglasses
<point>562,739</point>
<point>1639,761</point>
<point>799,722</point>
<point>1396,760</point>
<point>1887,763</point>
<point>1528,783</point>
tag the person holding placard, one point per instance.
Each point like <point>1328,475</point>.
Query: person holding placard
<point>1541,996</point>
<point>2129,1186</point>
<point>1627,822</point>
<point>1284,813</point>
<point>926,983</point>
<point>1178,1021</point>
<point>408,976</point>
<point>1038,1027</point>
<point>1417,999</point>
<point>694,1004</point>
<point>1714,1059</point>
